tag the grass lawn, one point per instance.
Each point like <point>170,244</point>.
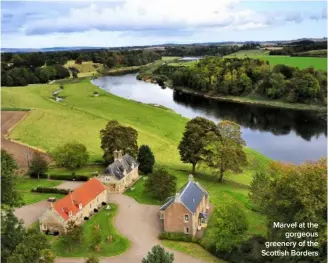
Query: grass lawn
<point>300,62</point>
<point>105,219</point>
<point>80,117</point>
<point>25,184</point>
<point>192,249</point>
<point>87,170</point>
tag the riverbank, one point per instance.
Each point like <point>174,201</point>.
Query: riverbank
<point>255,100</point>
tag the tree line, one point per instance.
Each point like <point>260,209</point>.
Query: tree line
<point>301,48</point>
<point>29,68</point>
<point>242,77</point>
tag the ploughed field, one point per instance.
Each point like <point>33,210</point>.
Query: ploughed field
<point>80,117</point>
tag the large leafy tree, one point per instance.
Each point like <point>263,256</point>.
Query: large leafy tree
<point>72,236</point>
<point>12,232</point>
<point>9,195</point>
<point>158,255</point>
<point>192,143</point>
<point>71,155</point>
<point>118,137</point>
<point>293,193</point>
<point>38,166</point>
<point>30,249</point>
<point>227,227</point>
<point>146,159</point>
<point>161,184</point>
<point>224,149</point>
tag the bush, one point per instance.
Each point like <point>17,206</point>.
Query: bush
<point>50,190</point>
<point>103,203</point>
<point>86,218</point>
<point>177,237</point>
<point>95,210</point>
<point>69,177</point>
<point>41,176</point>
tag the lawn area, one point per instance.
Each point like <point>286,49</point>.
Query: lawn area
<point>25,185</point>
<point>105,220</point>
<point>300,62</point>
<point>192,249</point>
<point>86,171</point>
<point>80,117</point>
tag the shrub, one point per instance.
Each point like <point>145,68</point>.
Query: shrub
<point>177,237</point>
<point>50,190</point>
<point>69,177</point>
<point>103,203</point>
<point>95,210</point>
<point>86,218</point>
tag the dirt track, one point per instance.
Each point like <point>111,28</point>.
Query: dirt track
<point>19,152</point>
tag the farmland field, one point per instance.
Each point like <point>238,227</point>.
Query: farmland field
<point>301,62</point>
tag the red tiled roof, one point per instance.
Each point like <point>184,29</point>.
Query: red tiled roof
<point>84,194</point>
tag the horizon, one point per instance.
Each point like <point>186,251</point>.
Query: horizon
<point>51,24</point>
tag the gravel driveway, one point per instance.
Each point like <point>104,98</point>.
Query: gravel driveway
<point>69,185</point>
<point>141,225</point>
<point>30,213</point>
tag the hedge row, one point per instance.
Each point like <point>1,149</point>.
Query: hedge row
<point>69,177</point>
<point>177,237</point>
<point>50,190</point>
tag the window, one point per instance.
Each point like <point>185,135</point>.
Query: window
<point>70,213</point>
<point>186,230</point>
<point>186,218</point>
<point>80,206</point>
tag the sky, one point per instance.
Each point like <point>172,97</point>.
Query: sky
<point>113,23</point>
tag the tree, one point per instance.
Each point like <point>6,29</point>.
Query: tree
<point>224,149</point>
<point>92,259</point>
<point>287,197</point>
<point>47,256</point>
<point>38,166</point>
<point>9,195</point>
<point>161,184</point>
<point>158,255</point>
<point>192,143</point>
<point>29,250</point>
<point>72,155</point>
<point>95,237</point>
<point>228,227</point>
<point>12,232</point>
<point>72,236</point>
<point>146,159</point>
<point>118,137</point>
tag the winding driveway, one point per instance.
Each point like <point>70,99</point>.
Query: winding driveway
<point>141,225</point>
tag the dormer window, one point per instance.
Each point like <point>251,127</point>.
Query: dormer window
<point>70,213</point>
<point>80,206</point>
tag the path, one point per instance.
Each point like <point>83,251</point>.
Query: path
<point>8,120</point>
<point>141,225</point>
<point>30,213</point>
<point>69,185</point>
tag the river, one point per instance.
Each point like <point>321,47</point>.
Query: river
<point>284,135</point>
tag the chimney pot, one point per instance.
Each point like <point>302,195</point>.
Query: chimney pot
<point>190,177</point>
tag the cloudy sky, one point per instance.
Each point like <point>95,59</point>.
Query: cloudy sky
<point>31,24</point>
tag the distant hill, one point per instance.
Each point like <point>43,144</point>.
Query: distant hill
<point>50,49</point>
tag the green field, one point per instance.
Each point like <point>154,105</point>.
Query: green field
<point>25,185</point>
<point>300,62</point>
<point>105,220</point>
<point>87,68</point>
<point>81,117</point>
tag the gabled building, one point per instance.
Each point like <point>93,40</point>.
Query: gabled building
<point>74,207</point>
<point>120,174</point>
<point>187,211</point>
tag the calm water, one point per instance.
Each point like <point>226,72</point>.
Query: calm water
<point>283,135</point>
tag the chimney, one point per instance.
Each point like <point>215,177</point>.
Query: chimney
<point>177,198</point>
<point>190,177</point>
<point>119,154</point>
<point>115,155</point>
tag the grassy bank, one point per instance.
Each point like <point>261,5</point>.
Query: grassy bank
<point>80,117</point>
<point>256,100</point>
<point>105,219</point>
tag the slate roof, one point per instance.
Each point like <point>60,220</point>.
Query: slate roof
<point>82,195</point>
<point>190,195</point>
<point>119,165</point>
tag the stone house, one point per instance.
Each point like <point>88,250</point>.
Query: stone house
<point>74,207</point>
<point>187,211</point>
<point>120,174</point>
